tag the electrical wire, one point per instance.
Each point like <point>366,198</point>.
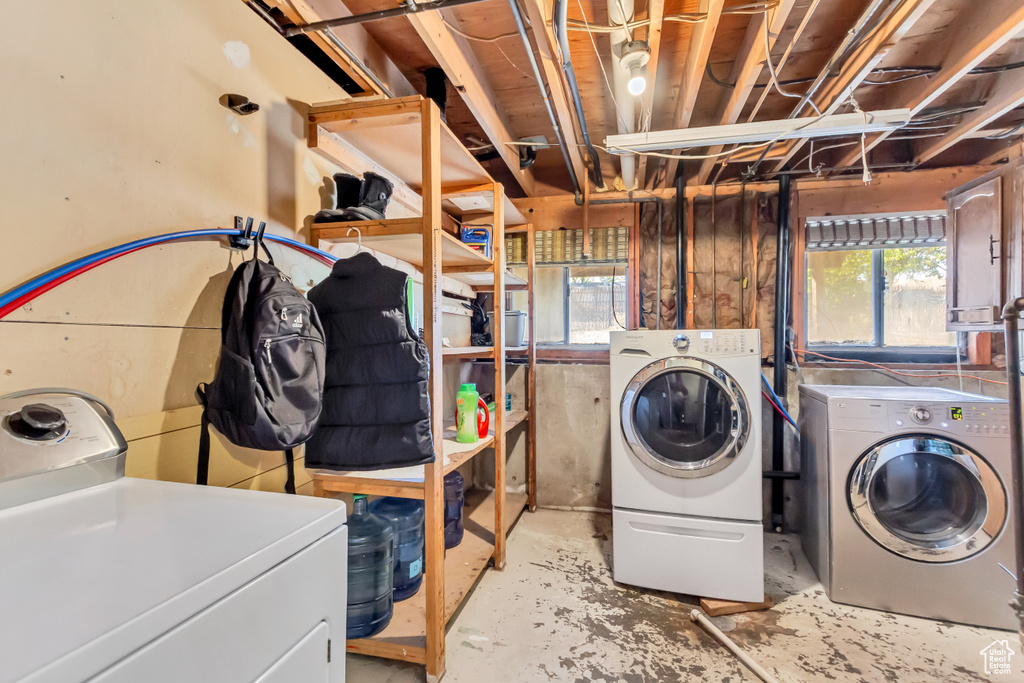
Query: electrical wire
<point>480,39</point>
<point>600,62</point>
<point>1007,134</point>
<point>890,370</point>
<point>686,17</point>
<point>771,70</point>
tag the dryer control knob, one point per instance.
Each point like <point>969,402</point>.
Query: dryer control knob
<point>921,415</point>
<point>681,342</point>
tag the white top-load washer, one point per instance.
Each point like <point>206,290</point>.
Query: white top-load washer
<point>686,461</point>
<point>109,579</point>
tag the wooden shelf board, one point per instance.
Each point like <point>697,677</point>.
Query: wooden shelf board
<point>404,638</point>
<point>468,352</point>
<point>392,131</point>
<point>485,281</point>
<point>514,417</point>
<point>396,238</point>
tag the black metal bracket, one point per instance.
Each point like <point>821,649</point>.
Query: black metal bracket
<point>243,240</point>
<point>773,474</point>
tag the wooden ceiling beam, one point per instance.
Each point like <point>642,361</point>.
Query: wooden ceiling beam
<point>656,15</point>
<point>356,40</point>
<point>697,54</point>
<point>1007,94</point>
<point>977,32</point>
<point>539,12</point>
<point>860,65</point>
<point>746,70</point>
<point>456,57</point>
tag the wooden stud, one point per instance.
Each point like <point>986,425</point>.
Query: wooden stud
<point>861,63</point>
<point>981,28</point>
<point>690,273</point>
<point>655,14</point>
<point>498,334</point>
<point>1007,94</point>
<point>456,57</point>
<point>979,348</point>
<point>697,54</point>
<point>531,370</point>
<point>746,70</point>
<point>539,13</point>
<point>633,271</point>
<point>433,484</point>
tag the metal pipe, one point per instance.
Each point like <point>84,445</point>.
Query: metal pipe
<point>661,220</point>
<point>400,11</point>
<point>759,671</point>
<point>559,12</point>
<point>1011,315</point>
<point>559,134</point>
<point>661,208</point>
<point>681,274</point>
<point>779,373</point>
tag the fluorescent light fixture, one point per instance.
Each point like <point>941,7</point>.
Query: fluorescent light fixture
<point>832,125</point>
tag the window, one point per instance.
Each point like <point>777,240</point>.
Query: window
<point>876,288</point>
<point>579,301</point>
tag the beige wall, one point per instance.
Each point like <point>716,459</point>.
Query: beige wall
<point>112,132</point>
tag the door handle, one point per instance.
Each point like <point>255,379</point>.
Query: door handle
<point>992,257</point>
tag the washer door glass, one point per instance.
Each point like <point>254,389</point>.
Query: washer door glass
<point>684,417</point>
<point>927,499</point>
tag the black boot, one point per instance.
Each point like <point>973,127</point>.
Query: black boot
<point>348,187</point>
<point>373,197</point>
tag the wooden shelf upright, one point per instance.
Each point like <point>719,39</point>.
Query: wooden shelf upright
<point>447,177</point>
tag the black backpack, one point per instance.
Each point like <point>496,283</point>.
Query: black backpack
<point>269,385</point>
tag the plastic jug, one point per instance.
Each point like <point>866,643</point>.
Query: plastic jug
<point>454,499</point>
<point>406,517</point>
<point>472,419</point>
<point>371,542</point>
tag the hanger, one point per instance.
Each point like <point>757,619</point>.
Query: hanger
<point>359,239</point>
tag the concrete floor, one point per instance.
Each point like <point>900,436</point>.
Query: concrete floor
<point>554,614</point>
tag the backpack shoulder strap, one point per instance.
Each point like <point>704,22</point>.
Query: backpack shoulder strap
<point>289,484</point>
<point>203,464</point>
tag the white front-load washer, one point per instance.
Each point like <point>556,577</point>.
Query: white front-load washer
<point>906,500</point>
<point>686,462</point>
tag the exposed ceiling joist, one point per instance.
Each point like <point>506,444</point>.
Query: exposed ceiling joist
<point>538,12</point>
<point>861,64</point>
<point>746,70</point>
<point>1007,94</point>
<point>656,15</point>
<point>355,39</point>
<point>465,73</point>
<point>981,29</point>
<point>697,54</point>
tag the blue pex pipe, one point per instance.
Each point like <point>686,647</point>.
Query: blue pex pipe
<point>778,402</point>
<point>42,280</point>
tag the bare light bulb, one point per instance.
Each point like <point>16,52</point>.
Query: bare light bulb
<point>637,81</point>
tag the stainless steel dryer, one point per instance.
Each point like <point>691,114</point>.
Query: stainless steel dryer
<point>906,500</point>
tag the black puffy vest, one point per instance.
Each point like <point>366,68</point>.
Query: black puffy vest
<point>376,411</point>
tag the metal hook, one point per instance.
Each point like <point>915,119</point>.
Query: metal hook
<point>359,238</point>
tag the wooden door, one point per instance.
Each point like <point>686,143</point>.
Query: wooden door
<point>974,268</point>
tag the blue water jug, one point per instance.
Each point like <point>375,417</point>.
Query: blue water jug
<point>371,541</point>
<point>454,499</point>
<point>406,517</point>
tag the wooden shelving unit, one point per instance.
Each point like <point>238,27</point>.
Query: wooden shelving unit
<point>408,137</point>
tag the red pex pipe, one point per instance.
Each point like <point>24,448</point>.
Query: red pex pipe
<point>46,286</point>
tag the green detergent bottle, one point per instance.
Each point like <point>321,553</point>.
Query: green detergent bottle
<point>465,414</point>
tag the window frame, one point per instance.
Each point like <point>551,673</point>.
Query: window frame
<point>877,351</point>
<point>567,308</point>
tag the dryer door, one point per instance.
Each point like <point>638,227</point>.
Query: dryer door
<point>927,498</point>
<point>685,417</point>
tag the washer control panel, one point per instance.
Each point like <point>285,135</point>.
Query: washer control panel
<point>724,342</point>
<point>985,419</point>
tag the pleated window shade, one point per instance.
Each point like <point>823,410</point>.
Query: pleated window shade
<point>885,231</point>
<point>565,247</point>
